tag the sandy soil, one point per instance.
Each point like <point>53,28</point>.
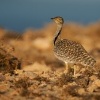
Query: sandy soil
<point>30,71</point>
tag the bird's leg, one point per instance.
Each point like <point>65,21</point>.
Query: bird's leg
<point>76,70</point>
<point>67,70</point>
<point>71,68</point>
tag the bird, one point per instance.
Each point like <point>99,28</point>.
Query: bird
<point>69,51</point>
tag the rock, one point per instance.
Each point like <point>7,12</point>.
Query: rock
<point>2,77</point>
<point>93,77</point>
<point>4,88</point>
<point>94,85</point>
<point>97,83</point>
<point>81,91</point>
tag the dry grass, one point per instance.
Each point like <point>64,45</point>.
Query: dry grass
<point>41,74</point>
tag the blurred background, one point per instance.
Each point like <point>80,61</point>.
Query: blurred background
<point>21,14</point>
<point>32,18</point>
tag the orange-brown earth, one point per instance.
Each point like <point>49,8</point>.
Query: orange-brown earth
<point>30,71</point>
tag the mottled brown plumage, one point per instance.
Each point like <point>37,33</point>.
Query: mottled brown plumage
<point>70,51</point>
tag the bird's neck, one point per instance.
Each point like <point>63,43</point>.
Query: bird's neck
<point>58,31</point>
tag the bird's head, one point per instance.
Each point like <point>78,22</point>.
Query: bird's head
<point>58,20</point>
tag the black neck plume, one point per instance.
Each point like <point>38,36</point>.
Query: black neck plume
<point>58,32</point>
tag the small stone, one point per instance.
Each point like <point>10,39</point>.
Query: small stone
<point>3,88</point>
<point>2,77</point>
<point>93,77</point>
<point>97,83</point>
<point>81,91</point>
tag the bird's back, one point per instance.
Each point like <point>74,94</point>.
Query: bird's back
<point>72,52</point>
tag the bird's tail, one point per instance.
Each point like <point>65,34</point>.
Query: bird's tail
<point>89,61</point>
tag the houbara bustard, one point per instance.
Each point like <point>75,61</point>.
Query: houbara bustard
<point>70,51</point>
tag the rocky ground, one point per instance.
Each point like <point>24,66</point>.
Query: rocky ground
<point>30,71</point>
